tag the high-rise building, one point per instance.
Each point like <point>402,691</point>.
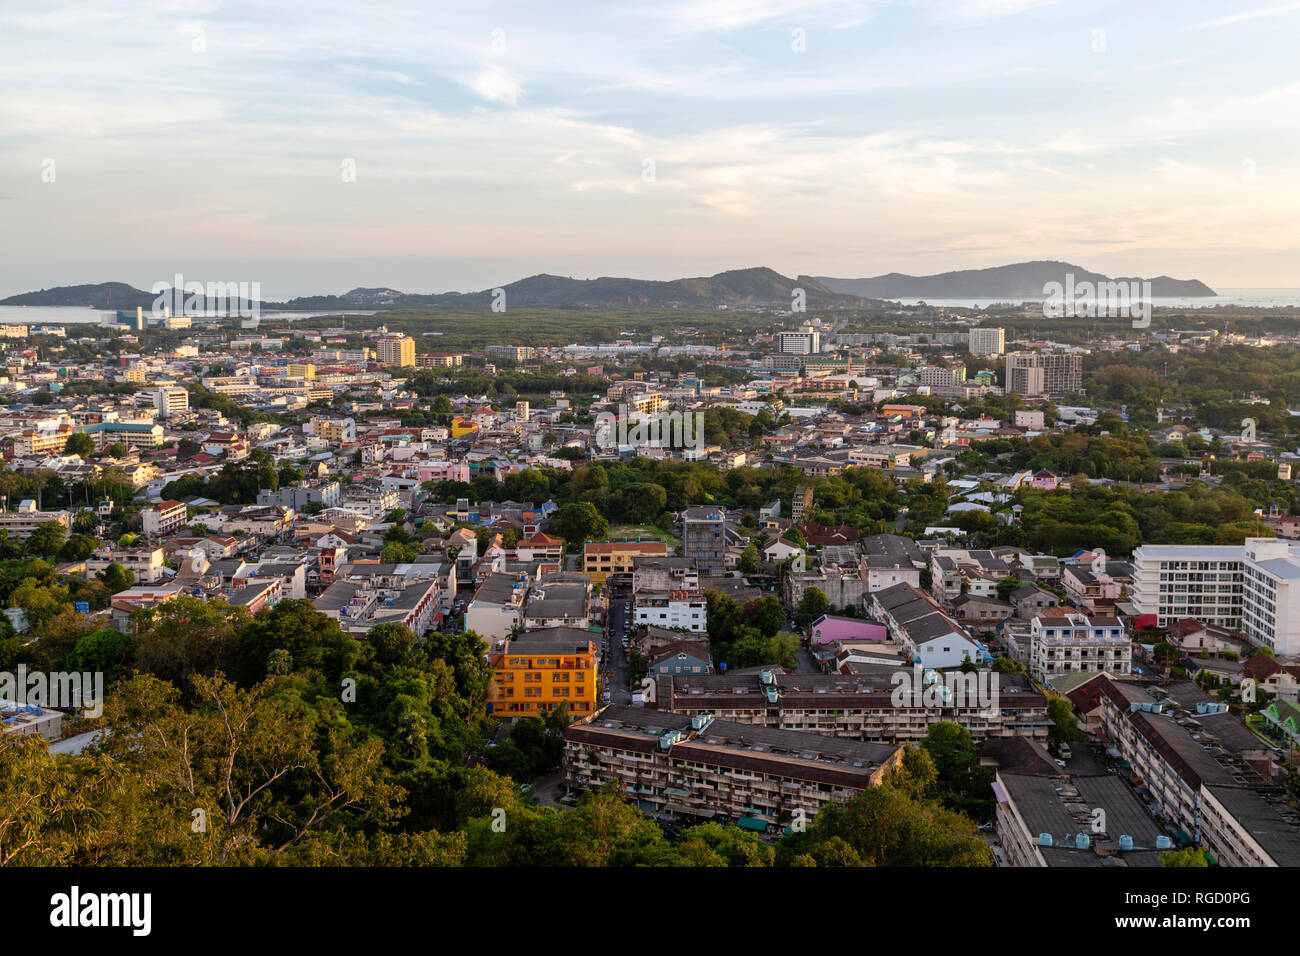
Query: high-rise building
<point>1062,373</point>
<point>1173,582</point>
<point>396,350</point>
<point>704,538</point>
<point>171,401</point>
<point>1254,587</point>
<point>987,341</point>
<point>807,341</point>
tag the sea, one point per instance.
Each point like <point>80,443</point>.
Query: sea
<point>1257,298</point>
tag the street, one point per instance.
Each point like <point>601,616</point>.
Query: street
<point>616,662</point>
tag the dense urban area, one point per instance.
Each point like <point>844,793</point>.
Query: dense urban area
<point>881,586</point>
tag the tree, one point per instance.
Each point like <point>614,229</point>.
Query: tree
<point>1187,857</point>
<point>749,562</point>
<point>46,539</point>
<point>812,605</point>
<point>117,578</point>
<point>578,522</point>
<point>80,444</point>
<point>107,651</point>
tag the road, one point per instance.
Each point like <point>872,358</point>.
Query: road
<point>617,664</point>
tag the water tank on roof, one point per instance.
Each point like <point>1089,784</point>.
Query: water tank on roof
<point>1125,842</point>
<point>1044,839</point>
<point>1082,841</point>
<point>1163,843</point>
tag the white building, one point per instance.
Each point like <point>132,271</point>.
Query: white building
<point>987,341</point>
<point>684,610</point>
<point>1174,581</point>
<point>1270,599</point>
<point>806,341</point>
<point>1064,643</point>
<point>171,401</point>
<point>1254,588</point>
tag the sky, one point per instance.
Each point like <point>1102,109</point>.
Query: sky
<point>317,146</point>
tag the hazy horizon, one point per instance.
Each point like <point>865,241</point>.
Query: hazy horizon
<point>315,148</point>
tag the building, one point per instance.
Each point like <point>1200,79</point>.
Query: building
<point>1254,587</point>
<point>862,706</point>
<point>984,342</point>
<point>801,504</point>
<point>164,518</point>
<point>1270,595</point>
<point>1172,582</point>
<point>807,341</point>
<point>513,353</point>
<point>396,350</point>
<point>700,768</point>
<point>1204,771</point>
<point>139,434</point>
<point>26,518</point>
<point>334,430</point>
<point>171,401</point>
<point>676,610</point>
<point>497,605</point>
<point>538,671</point>
<point>600,559</point>
<point>704,538</point>
<point>42,442</point>
<point>1044,818</point>
<point>1062,373</point>
<point>1063,642</point>
<point>438,360</point>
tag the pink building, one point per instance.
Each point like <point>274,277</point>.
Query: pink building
<point>443,471</point>
<point>1045,480</point>
<point>827,628</point>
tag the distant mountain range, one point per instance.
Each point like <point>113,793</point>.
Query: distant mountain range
<point>739,288</point>
<point>1023,280</point>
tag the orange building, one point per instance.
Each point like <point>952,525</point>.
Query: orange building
<point>539,670</point>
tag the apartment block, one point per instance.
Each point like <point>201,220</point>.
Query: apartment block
<point>985,342</point>
<point>398,350</point>
<point>171,401</point>
<point>676,610</point>
<point>164,518</point>
<point>704,538</point>
<point>861,706</point>
<point>538,671</point>
<point>1063,642</point>
<point>600,559</point>
<point>699,768</point>
<point>1062,373</point>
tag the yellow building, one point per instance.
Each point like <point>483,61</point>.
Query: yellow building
<point>603,558</point>
<point>539,670</point>
<point>301,370</point>
<point>396,350</point>
<point>461,427</point>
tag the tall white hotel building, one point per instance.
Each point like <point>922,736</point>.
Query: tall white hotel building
<point>1254,588</point>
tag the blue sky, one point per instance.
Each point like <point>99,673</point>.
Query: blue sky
<point>491,141</point>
